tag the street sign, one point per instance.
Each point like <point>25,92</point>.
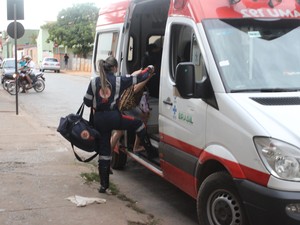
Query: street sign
<point>19,5</point>
<point>11,30</point>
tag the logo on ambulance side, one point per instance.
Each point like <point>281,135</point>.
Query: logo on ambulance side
<point>180,115</point>
<point>185,117</point>
<point>286,13</point>
<point>174,108</point>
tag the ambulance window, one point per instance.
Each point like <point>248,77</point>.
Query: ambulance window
<point>156,39</point>
<point>153,52</point>
<point>197,59</point>
<point>130,49</point>
<point>185,48</point>
<point>106,46</point>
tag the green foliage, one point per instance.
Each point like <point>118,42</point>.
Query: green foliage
<point>75,28</point>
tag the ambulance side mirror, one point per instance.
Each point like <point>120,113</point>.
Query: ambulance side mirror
<point>186,84</point>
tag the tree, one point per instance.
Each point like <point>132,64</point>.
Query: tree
<point>75,28</point>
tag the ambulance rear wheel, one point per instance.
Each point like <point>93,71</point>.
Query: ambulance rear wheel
<point>119,156</point>
<point>218,202</point>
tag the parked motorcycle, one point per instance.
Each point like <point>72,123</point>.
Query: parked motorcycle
<point>38,83</point>
<point>6,81</point>
<point>6,78</point>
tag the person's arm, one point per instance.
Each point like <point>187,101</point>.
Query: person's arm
<point>145,73</point>
<point>141,75</point>
<point>31,65</point>
<point>88,97</point>
<point>139,86</point>
<point>135,73</point>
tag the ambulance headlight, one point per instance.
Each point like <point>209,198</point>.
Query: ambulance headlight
<point>280,158</point>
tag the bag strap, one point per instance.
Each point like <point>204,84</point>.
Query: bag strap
<point>83,160</point>
<point>80,110</point>
<point>91,119</point>
<point>93,84</point>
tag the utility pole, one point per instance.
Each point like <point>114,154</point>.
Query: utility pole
<point>15,11</point>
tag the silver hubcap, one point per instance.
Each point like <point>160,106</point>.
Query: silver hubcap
<point>224,209</point>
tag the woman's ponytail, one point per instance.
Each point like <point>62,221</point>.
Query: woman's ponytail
<point>106,66</point>
<point>102,74</point>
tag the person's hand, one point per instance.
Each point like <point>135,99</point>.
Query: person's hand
<point>151,69</point>
<point>150,75</point>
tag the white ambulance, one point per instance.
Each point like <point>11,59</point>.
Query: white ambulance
<point>225,100</point>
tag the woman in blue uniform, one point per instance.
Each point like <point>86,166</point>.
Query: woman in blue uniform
<point>103,94</point>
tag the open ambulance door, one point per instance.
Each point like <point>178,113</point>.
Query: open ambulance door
<point>126,42</point>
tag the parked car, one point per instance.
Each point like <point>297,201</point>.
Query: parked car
<point>7,69</point>
<point>50,63</point>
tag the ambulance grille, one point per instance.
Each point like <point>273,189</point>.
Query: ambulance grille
<point>278,101</point>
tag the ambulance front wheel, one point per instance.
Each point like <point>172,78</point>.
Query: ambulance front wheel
<point>218,202</point>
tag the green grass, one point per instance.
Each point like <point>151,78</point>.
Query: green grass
<point>90,177</point>
<point>94,177</point>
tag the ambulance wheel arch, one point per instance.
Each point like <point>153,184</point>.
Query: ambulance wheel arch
<point>218,200</point>
<point>216,159</point>
<point>222,157</point>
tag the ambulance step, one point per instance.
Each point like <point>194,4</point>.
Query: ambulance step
<point>142,158</point>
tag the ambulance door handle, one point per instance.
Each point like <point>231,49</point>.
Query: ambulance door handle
<point>168,102</point>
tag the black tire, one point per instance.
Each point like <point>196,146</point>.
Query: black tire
<point>119,158</point>
<point>4,84</point>
<point>39,85</point>
<point>218,202</point>
<point>11,88</point>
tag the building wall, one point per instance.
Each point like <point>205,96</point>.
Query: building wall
<point>25,45</point>
<point>44,49</point>
<point>40,49</point>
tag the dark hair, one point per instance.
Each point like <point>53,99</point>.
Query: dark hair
<point>106,66</point>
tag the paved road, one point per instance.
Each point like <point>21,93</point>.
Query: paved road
<point>63,95</point>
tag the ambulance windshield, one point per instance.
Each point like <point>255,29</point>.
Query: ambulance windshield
<point>256,55</point>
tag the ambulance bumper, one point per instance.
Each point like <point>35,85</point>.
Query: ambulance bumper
<point>265,206</point>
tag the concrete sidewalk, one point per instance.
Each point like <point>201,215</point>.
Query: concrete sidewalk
<point>38,171</point>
